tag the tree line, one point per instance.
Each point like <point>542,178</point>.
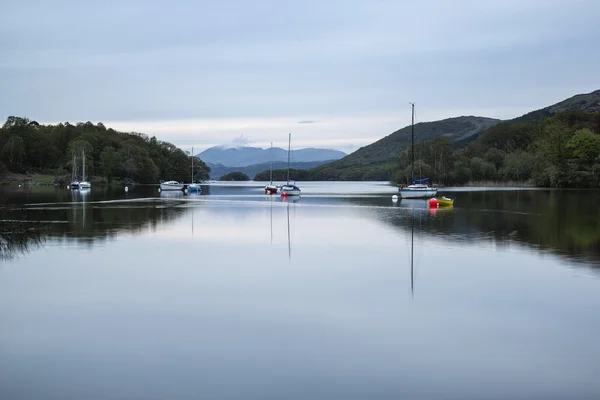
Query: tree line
<point>29,147</point>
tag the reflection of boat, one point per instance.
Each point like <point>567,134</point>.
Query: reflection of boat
<point>271,188</point>
<point>84,184</point>
<point>288,189</point>
<point>193,187</point>
<point>171,193</point>
<point>171,185</point>
<point>418,189</point>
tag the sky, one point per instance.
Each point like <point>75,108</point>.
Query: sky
<point>336,74</point>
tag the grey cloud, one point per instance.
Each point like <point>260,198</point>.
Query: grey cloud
<point>146,60</point>
<point>307,122</point>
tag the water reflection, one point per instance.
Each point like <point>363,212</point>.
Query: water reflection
<point>563,222</point>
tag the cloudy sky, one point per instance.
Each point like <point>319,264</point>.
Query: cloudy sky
<point>336,74</point>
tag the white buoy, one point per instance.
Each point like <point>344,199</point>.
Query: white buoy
<point>185,191</point>
<point>395,198</point>
<point>158,190</point>
<point>19,185</point>
<point>67,186</point>
<point>126,189</point>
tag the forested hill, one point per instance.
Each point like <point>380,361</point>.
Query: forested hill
<point>378,160</point>
<point>29,147</point>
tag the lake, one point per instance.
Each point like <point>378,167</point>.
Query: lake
<point>341,294</point>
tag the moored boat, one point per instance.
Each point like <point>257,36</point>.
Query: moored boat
<point>84,184</point>
<point>418,189</point>
<point>288,189</point>
<point>444,201</point>
<point>271,188</point>
<point>171,185</point>
<point>193,187</point>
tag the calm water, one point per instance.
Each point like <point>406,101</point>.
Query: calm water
<point>235,295</point>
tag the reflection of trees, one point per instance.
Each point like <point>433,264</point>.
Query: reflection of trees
<point>19,231</point>
<point>564,222</point>
<point>84,223</point>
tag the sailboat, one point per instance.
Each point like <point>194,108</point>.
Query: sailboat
<point>84,184</point>
<point>271,188</point>
<point>194,187</point>
<point>418,189</point>
<point>74,182</point>
<point>289,189</point>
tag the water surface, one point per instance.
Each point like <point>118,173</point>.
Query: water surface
<point>234,294</point>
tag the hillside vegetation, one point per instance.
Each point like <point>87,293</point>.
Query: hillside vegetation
<point>558,151</point>
<point>378,160</point>
<point>29,147</point>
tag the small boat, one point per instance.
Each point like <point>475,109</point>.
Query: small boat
<point>440,202</point>
<point>271,188</point>
<point>193,187</point>
<point>418,189</point>
<point>288,189</point>
<point>444,201</point>
<point>84,184</point>
<point>171,185</point>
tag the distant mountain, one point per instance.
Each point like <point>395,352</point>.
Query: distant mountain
<point>246,156</point>
<point>218,170</point>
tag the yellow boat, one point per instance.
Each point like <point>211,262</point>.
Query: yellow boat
<point>444,201</point>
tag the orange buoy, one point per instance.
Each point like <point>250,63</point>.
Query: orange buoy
<point>433,202</point>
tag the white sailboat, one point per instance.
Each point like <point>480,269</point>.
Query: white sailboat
<point>84,184</point>
<point>194,187</point>
<point>271,188</point>
<point>170,185</point>
<point>74,182</point>
<point>288,189</point>
<point>418,189</point>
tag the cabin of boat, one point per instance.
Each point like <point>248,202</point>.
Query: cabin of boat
<point>290,190</point>
<point>417,191</point>
<point>171,185</point>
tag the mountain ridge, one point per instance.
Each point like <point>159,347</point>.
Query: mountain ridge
<point>246,155</point>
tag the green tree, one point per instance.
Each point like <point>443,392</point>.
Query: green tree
<point>235,176</point>
<point>585,145</point>
<point>111,163</point>
<point>14,150</point>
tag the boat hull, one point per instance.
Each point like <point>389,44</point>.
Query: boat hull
<point>417,193</point>
<point>85,185</point>
<point>290,191</point>
<point>194,188</point>
<point>74,185</point>
<point>445,202</point>
<point>271,189</point>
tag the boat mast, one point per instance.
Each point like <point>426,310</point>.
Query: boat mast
<point>192,164</point>
<point>412,134</point>
<point>271,174</point>
<point>83,173</point>
<point>289,150</point>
